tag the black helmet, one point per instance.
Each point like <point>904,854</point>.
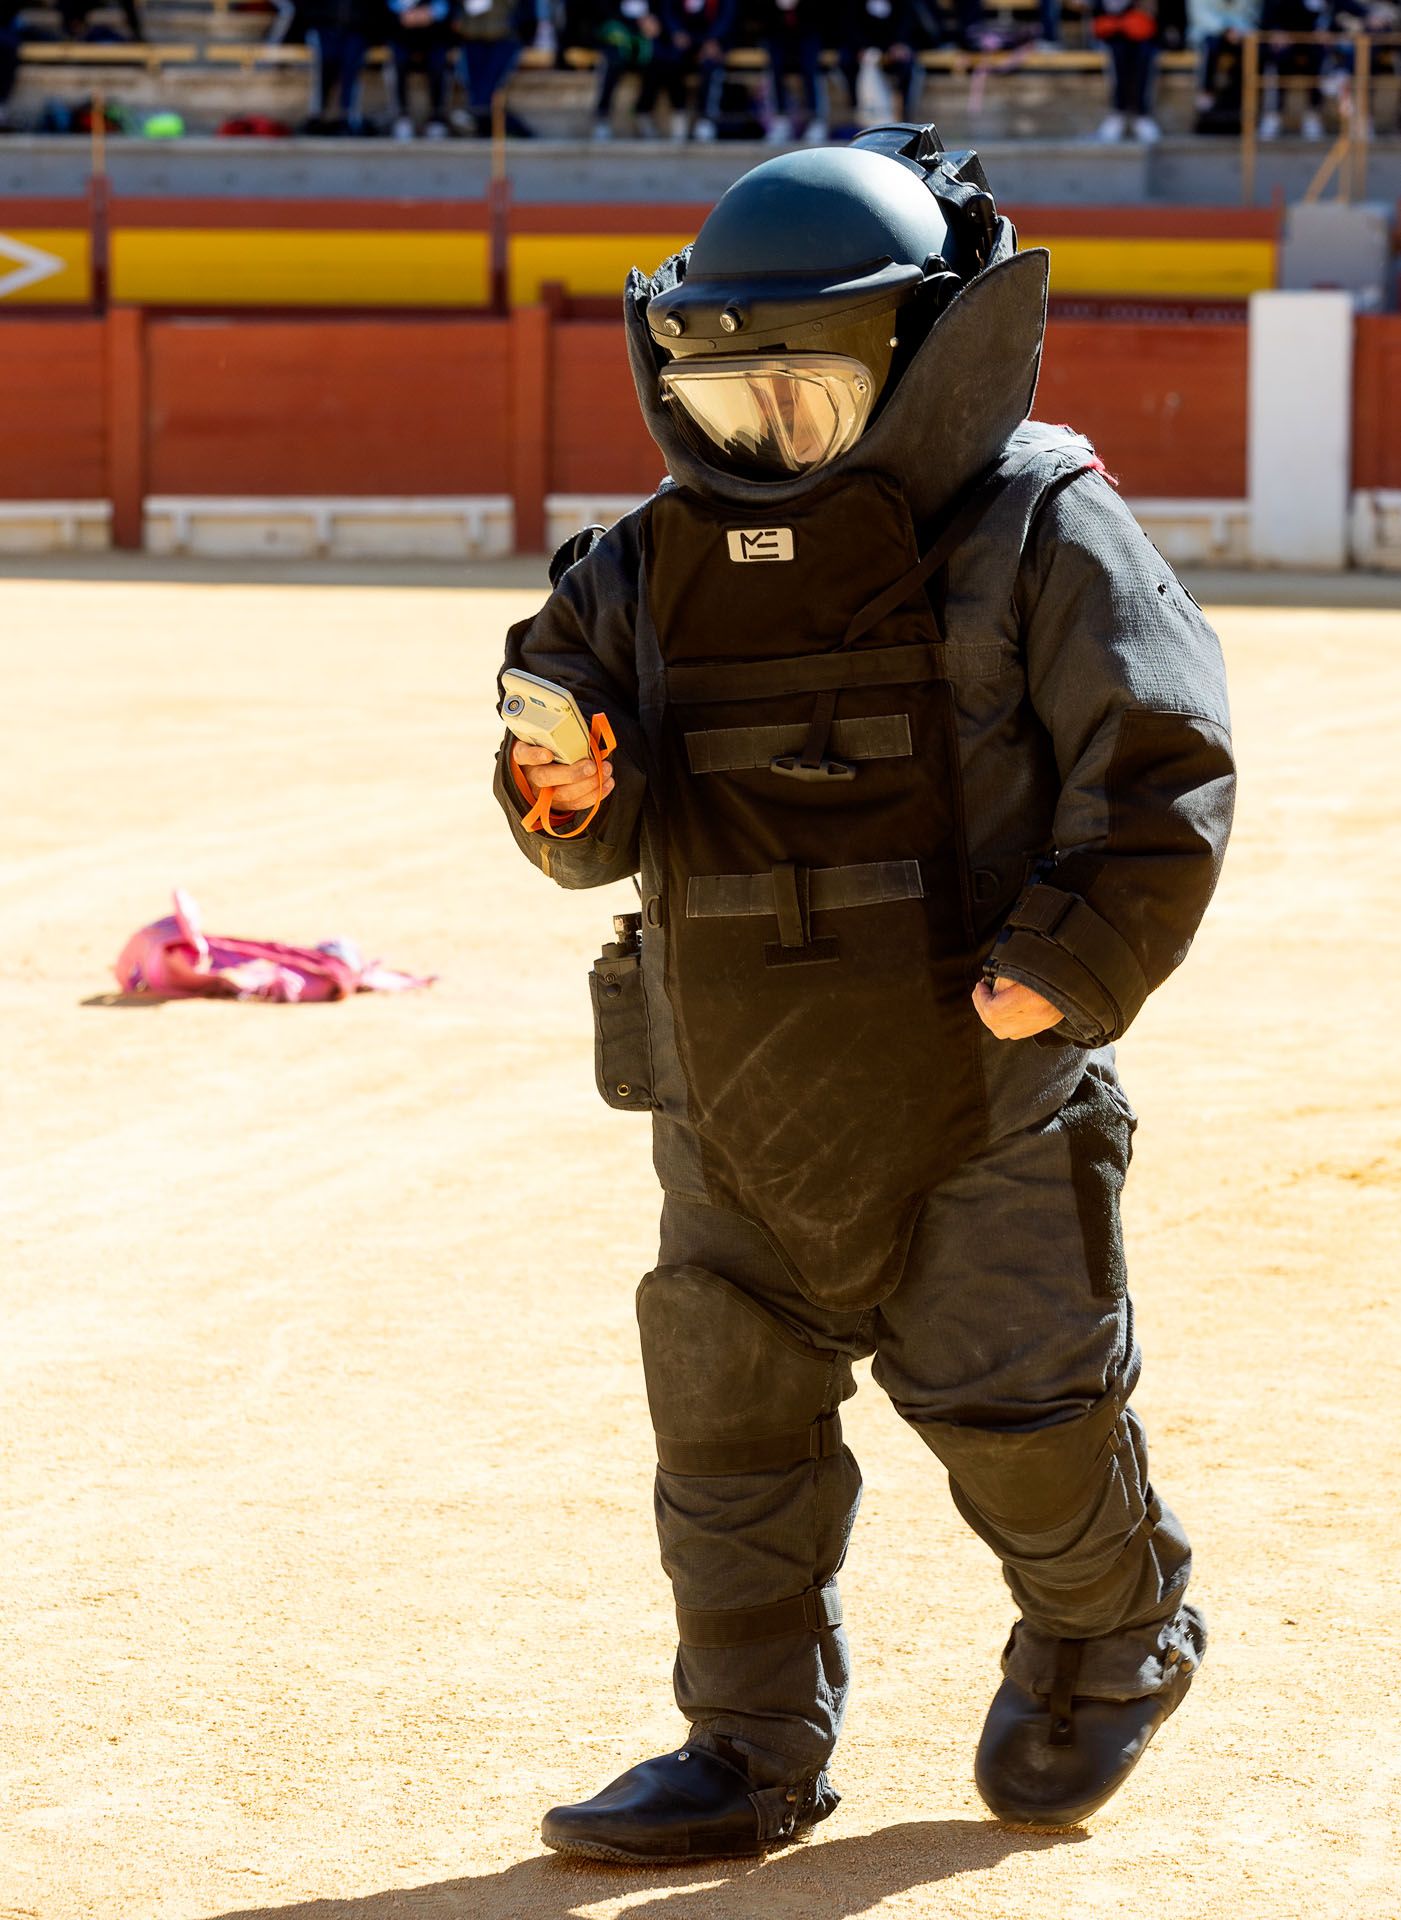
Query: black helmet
<point>838,259</point>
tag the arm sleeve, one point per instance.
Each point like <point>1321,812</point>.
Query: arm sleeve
<point>583,639</point>
<point>1127,677</point>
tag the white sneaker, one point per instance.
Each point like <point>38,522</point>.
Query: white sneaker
<point>703,130</point>
<point>1110,129</point>
<point>677,133</point>
<point>1146,130</point>
<point>403,128</point>
<point>1311,126</point>
<point>780,131</point>
<point>436,130</point>
<point>602,130</point>
<point>815,133</point>
<point>1269,126</point>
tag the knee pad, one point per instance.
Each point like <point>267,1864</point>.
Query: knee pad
<point>1038,1478</point>
<point>731,1389</point>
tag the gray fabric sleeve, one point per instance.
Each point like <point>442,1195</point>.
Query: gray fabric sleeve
<point>583,639</point>
<point>1127,677</point>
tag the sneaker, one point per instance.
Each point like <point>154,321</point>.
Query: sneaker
<point>403,128</point>
<point>703,130</point>
<point>1110,129</point>
<point>437,130</point>
<point>780,131</point>
<point>1146,130</point>
<point>1269,126</point>
<point>1311,127</point>
<point>815,133</point>
<point>602,130</point>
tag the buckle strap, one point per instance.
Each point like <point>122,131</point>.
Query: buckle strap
<point>811,1612</point>
<point>1062,1694</point>
<point>714,896</point>
<point>762,1454</point>
<point>1086,936</point>
<point>884,736</point>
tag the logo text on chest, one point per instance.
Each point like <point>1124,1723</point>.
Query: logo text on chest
<point>761,543</point>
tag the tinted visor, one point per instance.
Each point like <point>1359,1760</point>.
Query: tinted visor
<point>770,415</point>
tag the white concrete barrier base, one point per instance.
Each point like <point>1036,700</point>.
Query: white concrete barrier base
<point>466,527</point>
<point>55,526</point>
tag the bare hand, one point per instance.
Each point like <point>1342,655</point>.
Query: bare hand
<point>1013,1012</point>
<point>572,788</point>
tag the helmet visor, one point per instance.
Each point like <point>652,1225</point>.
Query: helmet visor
<point>771,415</point>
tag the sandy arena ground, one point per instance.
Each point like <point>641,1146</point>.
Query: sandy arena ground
<point>328,1557</point>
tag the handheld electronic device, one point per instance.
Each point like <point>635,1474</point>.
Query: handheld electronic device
<point>544,715</point>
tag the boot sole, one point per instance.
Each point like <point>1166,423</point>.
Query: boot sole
<point>619,1856</point>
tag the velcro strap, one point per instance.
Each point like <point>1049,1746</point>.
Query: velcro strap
<point>722,896</point>
<point>807,673</point>
<point>810,1612</point>
<point>885,736</point>
<point>766,1453</point>
<point>1087,937</point>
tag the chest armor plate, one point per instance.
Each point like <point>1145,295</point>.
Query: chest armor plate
<point>819,934</point>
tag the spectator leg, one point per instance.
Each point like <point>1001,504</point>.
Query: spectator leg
<point>1121,76</point>
<point>810,74</point>
<point>486,67</point>
<point>436,62</point>
<point>9,63</point>
<point>354,47</point>
<point>906,84</point>
<point>1050,22</point>
<point>323,71</point>
<point>710,78</point>
<point>615,65</point>
<point>1145,59</point>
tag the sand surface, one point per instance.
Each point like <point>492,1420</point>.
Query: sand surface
<point>327,1551</point>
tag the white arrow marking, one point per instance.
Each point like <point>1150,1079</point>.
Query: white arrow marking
<point>31,265</point>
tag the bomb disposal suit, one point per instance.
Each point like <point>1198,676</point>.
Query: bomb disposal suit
<point>903,699</point>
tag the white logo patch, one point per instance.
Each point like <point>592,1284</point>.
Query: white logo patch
<point>762,543</point>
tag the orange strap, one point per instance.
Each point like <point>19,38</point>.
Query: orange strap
<point>602,742</point>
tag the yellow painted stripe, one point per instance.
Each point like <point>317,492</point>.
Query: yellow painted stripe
<point>257,267</point>
<point>1181,269</point>
<point>597,264</point>
<point>585,263</point>
<point>69,284</point>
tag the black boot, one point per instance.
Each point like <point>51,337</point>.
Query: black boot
<point>1049,1760</point>
<point>690,1805</point>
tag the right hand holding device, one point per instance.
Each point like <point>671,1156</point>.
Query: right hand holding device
<point>572,788</point>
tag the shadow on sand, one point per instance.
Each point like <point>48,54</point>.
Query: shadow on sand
<point>824,1880</point>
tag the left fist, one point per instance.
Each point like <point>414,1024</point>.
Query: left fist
<point>1012,1011</point>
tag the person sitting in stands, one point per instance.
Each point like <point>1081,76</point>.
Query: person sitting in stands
<point>631,38</point>
<point>1218,30</point>
<point>880,39</point>
<point>1288,60</point>
<point>340,33</point>
<point>1129,30</point>
<point>420,33</point>
<point>698,35</point>
<point>492,32</point>
<point>795,33</point>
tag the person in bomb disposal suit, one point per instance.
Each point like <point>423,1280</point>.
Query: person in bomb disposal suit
<point>923,763</point>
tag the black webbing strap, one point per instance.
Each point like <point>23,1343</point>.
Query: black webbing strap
<point>1086,937</point>
<point>790,901</point>
<point>810,1612</point>
<point>805,673</point>
<point>884,736</point>
<point>723,896</point>
<point>950,539</point>
<point>767,1453</point>
<point>1067,1672</point>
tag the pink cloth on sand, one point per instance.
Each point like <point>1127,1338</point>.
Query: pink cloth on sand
<point>175,959</point>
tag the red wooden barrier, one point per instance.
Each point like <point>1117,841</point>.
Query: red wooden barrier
<point>598,443</point>
<point>326,406</point>
<point>52,384</point>
<point>1376,402</point>
<point>1164,403</point>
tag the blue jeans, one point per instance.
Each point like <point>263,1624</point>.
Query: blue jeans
<point>486,67</point>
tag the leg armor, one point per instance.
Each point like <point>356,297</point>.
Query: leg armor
<point>755,1499</point>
